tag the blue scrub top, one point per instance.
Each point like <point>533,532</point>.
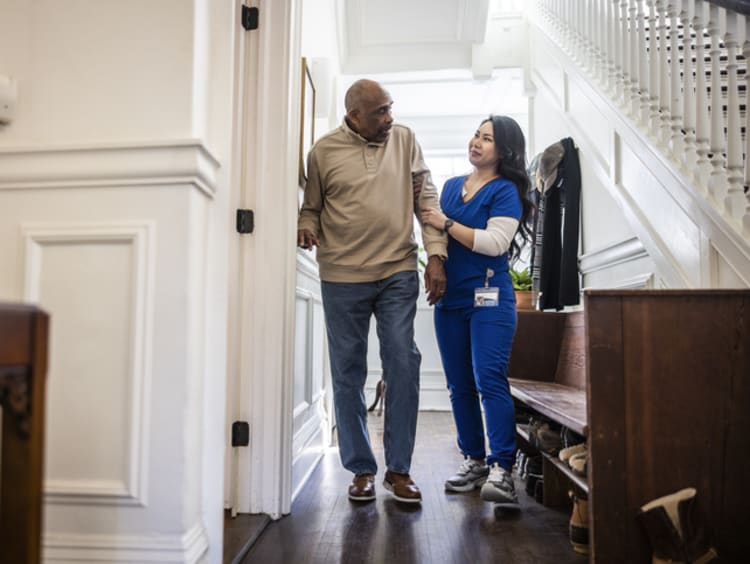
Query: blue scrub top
<point>465,269</point>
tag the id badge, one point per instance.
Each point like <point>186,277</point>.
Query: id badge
<point>486,297</point>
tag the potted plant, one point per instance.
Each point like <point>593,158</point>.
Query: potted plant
<point>521,280</point>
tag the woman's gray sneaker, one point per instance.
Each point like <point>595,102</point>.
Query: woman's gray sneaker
<point>499,486</point>
<point>471,474</point>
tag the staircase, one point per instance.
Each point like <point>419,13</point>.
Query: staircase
<point>654,74</point>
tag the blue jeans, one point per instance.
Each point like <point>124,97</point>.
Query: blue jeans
<point>348,309</point>
<point>475,344</point>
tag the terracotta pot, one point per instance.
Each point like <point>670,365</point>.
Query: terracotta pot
<point>523,300</point>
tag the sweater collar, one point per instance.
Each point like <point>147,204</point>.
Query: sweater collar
<point>350,131</point>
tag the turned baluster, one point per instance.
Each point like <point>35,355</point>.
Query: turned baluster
<point>619,52</point>
<point>643,72</point>
<point>676,141</point>
<point>601,26</point>
<point>569,43</point>
<point>717,181</point>
<point>589,30</point>
<point>625,54</point>
<point>653,67</point>
<point>596,28</point>
<point>635,85</point>
<point>734,203</point>
<point>613,45</point>
<point>702,131</point>
<point>689,156</point>
<point>665,119</point>
<point>577,41</point>
<point>555,21</point>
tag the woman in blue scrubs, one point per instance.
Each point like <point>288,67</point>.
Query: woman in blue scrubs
<point>476,318</point>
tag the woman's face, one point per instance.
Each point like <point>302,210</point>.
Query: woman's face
<point>482,152</point>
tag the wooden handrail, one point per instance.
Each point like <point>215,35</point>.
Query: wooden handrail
<point>739,6</point>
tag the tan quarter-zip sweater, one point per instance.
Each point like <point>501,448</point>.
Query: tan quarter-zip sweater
<point>359,201</point>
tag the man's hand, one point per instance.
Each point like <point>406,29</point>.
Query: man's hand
<point>434,279</point>
<point>306,239</point>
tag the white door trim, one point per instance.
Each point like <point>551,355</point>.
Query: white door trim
<point>268,258</point>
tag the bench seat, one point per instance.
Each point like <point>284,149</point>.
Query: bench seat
<point>564,404</point>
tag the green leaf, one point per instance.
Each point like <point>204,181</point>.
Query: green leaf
<point>521,279</point>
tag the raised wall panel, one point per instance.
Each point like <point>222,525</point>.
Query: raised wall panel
<point>302,367</point>
<point>583,110</point>
<point>311,425</point>
<point>98,281</point>
<point>726,276</point>
<point>549,72</point>
<point>319,350</point>
<point>679,233</point>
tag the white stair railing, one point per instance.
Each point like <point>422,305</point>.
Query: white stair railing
<point>679,70</point>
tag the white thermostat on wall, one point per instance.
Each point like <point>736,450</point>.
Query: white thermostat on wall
<point>8,97</point>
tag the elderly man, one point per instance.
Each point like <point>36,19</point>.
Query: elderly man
<point>367,181</point>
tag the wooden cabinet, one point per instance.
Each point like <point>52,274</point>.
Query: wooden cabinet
<point>666,393</point>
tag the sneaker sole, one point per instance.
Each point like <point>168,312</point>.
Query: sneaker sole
<point>492,494</point>
<point>388,487</point>
<point>465,488</point>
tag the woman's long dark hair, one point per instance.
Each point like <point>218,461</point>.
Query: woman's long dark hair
<point>510,148</point>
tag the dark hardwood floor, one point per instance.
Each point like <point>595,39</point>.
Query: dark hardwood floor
<point>325,527</point>
<point>240,532</point>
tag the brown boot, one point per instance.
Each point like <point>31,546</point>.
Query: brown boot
<point>674,528</point>
<point>402,487</point>
<point>579,524</point>
<point>362,488</point>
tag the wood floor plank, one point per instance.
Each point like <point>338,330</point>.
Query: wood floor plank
<point>326,527</point>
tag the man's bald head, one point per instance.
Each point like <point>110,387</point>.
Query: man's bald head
<point>368,110</point>
<point>361,91</point>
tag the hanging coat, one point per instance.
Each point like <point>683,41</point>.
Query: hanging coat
<point>556,225</point>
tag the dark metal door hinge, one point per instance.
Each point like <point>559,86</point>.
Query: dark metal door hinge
<point>245,221</point>
<point>240,433</point>
<point>249,18</point>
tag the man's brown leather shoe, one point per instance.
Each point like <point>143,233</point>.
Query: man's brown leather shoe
<point>402,487</point>
<point>362,488</point>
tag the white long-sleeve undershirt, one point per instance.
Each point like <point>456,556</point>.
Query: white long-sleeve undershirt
<point>496,238</point>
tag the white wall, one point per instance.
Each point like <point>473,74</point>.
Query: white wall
<point>114,213</point>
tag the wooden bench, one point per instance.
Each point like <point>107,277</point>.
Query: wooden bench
<point>664,405</point>
<point>547,373</point>
<point>23,365</point>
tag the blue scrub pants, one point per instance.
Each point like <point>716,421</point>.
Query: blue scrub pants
<point>475,344</point>
<point>348,309</point>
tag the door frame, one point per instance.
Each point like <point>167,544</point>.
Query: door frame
<point>261,334</point>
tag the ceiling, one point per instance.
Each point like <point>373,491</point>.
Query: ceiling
<point>407,35</point>
<point>397,35</point>
<point>446,63</point>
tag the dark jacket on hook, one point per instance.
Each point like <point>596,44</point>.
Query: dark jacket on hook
<point>554,256</point>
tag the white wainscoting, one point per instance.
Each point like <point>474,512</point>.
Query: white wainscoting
<point>312,420</point>
<point>98,279</point>
<point>97,548</point>
<point>112,240</point>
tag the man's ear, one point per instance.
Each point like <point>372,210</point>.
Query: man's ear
<point>353,116</point>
